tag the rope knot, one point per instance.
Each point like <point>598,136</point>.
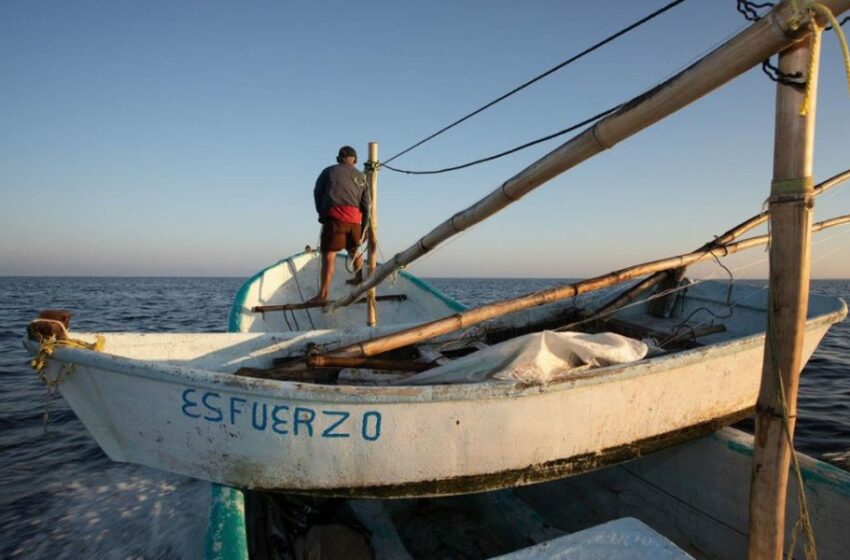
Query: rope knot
<point>810,9</point>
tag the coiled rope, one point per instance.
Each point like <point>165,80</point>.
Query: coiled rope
<point>47,346</point>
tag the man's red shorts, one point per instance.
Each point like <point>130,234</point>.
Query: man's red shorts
<point>337,236</point>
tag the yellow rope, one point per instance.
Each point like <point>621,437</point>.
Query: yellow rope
<point>47,345</point>
<point>804,522</point>
<point>811,8</point>
<point>811,72</point>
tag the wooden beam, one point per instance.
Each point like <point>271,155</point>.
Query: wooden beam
<point>748,48</point>
<point>426,331</point>
<point>297,306</point>
<point>367,363</point>
<point>790,207</point>
<point>372,178</point>
<point>635,291</point>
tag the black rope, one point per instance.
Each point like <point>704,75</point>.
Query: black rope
<point>748,10</point>
<point>774,73</point>
<point>507,152</point>
<point>730,307</point>
<point>543,75</point>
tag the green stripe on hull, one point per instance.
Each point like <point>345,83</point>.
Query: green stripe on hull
<point>226,538</point>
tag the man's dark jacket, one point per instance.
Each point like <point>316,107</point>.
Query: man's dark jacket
<point>341,185</point>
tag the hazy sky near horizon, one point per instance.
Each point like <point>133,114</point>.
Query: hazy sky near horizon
<point>184,138</point>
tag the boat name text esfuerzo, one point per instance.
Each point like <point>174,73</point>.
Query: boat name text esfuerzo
<point>282,419</point>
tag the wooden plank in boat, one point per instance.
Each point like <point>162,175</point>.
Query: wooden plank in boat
<point>297,306</point>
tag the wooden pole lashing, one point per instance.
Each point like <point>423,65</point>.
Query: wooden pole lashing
<point>790,210</point>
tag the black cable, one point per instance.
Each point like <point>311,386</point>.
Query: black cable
<point>748,10</point>
<point>507,152</point>
<point>774,73</point>
<point>543,75</point>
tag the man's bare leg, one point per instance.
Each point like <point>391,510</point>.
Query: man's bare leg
<point>327,274</point>
<point>358,266</point>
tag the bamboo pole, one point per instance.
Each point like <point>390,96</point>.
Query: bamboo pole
<point>762,39</point>
<point>421,333</point>
<point>297,306</point>
<point>471,317</point>
<point>790,208</point>
<point>635,291</point>
<point>367,363</point>
<point>372,177</point>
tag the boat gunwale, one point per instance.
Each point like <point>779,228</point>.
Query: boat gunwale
<point>401,394</point>
<point>237,309</point>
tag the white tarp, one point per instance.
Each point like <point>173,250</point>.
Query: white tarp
<point>536,358</point>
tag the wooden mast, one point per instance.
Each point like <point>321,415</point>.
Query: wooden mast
<point>372,178</point>
<point>762,39</point>
<point>790,210</point>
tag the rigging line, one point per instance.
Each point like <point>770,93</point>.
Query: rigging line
<point>667,292</point>
<point>508,152</point>
<point>748,9</point>
<point>729,272</point>
<point>544,74</point>
<point>588,121</point>
<point>300,292</point>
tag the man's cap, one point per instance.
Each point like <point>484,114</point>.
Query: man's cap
<point>346,151</point>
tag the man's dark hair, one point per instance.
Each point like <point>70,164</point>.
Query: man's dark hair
<point>345,152</point>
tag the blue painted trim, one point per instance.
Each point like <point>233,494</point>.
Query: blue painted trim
<point>226,536</point>
<point>817,473</point>
<point>418,282</point>
<point>234,322</point>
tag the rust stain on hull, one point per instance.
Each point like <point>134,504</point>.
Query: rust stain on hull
<point>542,472</point>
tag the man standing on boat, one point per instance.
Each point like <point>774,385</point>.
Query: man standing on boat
<point>342,202</point>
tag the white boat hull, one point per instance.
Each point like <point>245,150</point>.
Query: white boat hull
<point>177,411</point>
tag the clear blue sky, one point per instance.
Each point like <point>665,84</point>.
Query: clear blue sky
<point>184,138</point>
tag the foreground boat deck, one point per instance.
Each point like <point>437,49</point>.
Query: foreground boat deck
<point>695,495</point>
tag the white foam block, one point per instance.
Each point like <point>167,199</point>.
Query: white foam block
<point>621,539</point>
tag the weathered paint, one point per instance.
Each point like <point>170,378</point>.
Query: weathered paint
<point>696,494</point>
<point>226,536</point>
<point>815,473</point>
<point>335,439</point>
<point>532,474</point>
<point>226,532</point>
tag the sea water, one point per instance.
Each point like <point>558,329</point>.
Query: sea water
<point>60,497</point>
